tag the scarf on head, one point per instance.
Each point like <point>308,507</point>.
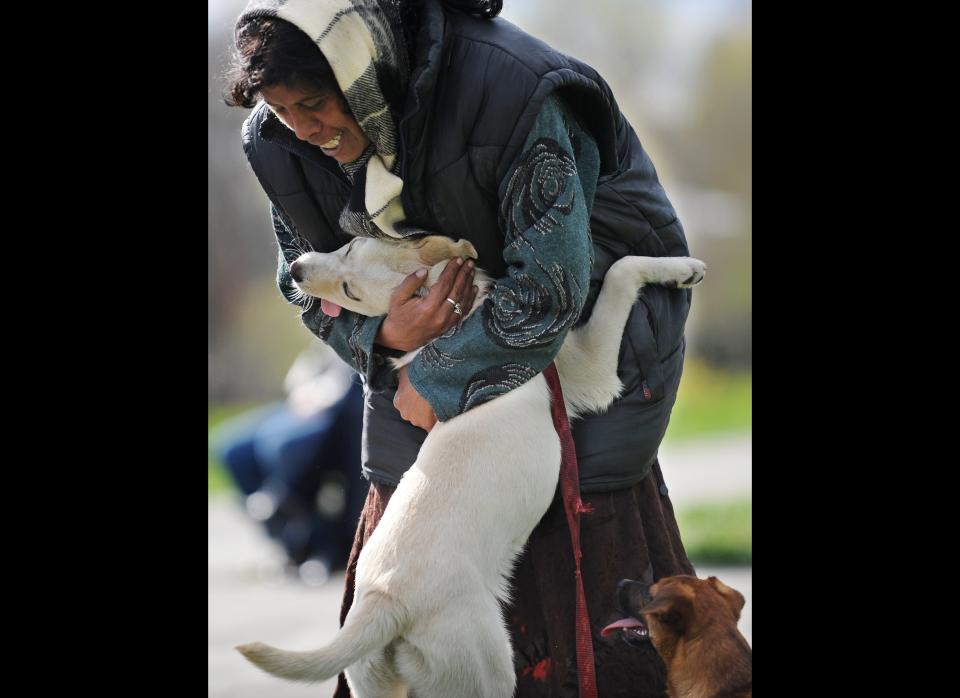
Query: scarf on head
<point>363,42</point>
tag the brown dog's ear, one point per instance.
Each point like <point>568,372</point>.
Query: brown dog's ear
<point>733,597</point>
<point>433,249</point>
<point>673,610</point>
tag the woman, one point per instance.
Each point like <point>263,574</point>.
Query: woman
<point>394,119</point>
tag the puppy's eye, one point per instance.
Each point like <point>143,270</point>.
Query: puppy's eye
<point>347,293</point>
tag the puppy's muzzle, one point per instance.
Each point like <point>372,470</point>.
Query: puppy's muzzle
<point>296,271</point>
<point>631,597</point>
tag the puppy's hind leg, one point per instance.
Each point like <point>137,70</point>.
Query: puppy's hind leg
<point>476,660</point>
<point>498,677</point>
<point>374,677</point>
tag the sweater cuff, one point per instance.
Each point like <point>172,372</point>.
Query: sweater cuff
<point>425,382</point>
<point>380,374</point>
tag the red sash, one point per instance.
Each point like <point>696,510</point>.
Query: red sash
<point>573,506</point>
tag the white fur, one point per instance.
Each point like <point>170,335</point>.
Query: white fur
<point>430,581</point>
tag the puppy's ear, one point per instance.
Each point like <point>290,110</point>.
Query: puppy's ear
<point>433,249</point>
<point>733,597</point>
<point>672,610</point>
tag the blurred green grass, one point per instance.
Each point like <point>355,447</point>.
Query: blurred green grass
<point>714,402</point>
<point>710,402</point>
<point>718,532</point>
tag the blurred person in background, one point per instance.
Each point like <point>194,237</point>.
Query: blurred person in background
<point>400,118</point>
<point>296,462</point>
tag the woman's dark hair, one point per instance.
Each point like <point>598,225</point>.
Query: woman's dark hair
<point>271,51</point>
<point>484,8</point>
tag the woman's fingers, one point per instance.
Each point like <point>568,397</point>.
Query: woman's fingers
<point>453,283</point>
<point>471,297</point>
<point>409,286</point>
<point>441,290</point>
<point>462,293</point>
<point>461,287</point>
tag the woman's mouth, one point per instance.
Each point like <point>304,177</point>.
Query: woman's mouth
<point>332,145</point>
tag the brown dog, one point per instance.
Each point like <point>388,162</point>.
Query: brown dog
<point>692,623</point>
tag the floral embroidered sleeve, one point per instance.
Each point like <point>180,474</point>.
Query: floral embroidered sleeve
<point>350,335</point>
<point>545,202</point>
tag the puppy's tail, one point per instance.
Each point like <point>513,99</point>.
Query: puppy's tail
<point>372,623</point>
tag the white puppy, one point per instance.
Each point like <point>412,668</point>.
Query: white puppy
<point>426,617</point>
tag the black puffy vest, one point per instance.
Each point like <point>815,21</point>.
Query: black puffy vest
<point>476,89</point>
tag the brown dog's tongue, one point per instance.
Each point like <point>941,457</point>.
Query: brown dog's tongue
<point>329,307</point>
<point>622,623</point>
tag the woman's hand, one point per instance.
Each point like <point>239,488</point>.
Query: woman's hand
<point>412,321</point>
<point>411,406</point>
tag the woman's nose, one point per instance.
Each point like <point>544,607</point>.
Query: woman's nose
<point>304,126</point>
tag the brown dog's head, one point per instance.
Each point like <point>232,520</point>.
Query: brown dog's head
<point>692,624</point>
<point>673,607</point>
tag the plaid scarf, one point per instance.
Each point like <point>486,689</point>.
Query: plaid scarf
<point>363,42</point>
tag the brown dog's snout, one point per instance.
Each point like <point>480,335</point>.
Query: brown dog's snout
<point>632,595</point>
<point>296,271</point>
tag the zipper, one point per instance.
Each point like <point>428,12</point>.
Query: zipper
<point>652,321</point>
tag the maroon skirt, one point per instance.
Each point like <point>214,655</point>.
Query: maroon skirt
<point>631,532</point>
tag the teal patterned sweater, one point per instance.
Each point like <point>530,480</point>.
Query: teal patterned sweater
<point>545,202</point>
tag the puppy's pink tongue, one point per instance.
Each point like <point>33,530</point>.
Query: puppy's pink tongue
<point>329,307</point>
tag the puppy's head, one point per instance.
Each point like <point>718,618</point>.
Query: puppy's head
<point>361,275</point>
<point>673,608</point>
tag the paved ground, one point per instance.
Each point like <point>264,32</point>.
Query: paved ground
<point>249,599</point>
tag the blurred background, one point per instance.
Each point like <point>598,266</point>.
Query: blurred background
<point>681,73</point>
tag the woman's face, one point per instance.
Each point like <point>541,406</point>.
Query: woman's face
<point>318,117</point>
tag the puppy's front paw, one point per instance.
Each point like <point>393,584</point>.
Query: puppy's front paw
<point>685,272</point>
